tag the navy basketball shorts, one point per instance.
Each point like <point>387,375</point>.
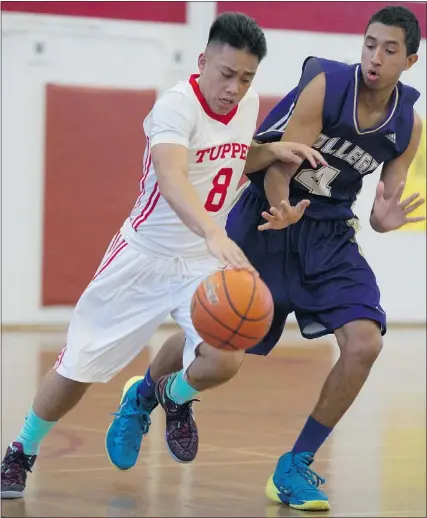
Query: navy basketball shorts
<point>314,268</point>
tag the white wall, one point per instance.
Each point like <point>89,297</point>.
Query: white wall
<point>142,55</point>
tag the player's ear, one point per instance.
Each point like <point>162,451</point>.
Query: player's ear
<point>202,62</point>
<point>410,61</point>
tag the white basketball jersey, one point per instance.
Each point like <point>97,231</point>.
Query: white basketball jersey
<point>217,148</point>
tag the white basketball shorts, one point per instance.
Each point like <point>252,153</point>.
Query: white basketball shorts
<point>129,297</point>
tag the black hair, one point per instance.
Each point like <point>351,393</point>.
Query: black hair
<point>240,32</point>
<point>402,17</point>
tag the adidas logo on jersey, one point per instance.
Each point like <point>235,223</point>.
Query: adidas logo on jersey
<point>392,137</point>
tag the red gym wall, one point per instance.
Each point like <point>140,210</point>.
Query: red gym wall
<point>93,161</point>
<point>332,17</point>
<point>170,12</point>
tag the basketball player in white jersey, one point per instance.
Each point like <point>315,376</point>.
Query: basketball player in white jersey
<point>198,145</point>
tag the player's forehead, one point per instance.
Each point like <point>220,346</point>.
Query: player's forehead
<point>381,33</point>
<point>238,61</point>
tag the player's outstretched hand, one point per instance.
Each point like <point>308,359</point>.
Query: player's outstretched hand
<point>286,215</point>
<point>295,153</point>
<point>228,252</point>
<point>392,213</point>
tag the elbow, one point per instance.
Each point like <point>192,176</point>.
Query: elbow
<point>278,174</point>
<point>166,194</point>
<point>170,182</point>
<point>282,170</point>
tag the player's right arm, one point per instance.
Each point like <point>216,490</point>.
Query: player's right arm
<point>304,127</point>
<point>171,166</point>
<point>173,120</point>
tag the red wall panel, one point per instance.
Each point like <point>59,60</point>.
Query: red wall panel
<point>335,17</point>
<point>170,12</point>
<point>93,163</point>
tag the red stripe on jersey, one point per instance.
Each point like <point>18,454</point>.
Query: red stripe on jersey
<point>146,168</point>
<point>153,199</point>
<point>156,199</point>
<point>148,209</point>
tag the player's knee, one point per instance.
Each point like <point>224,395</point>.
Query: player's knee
<point>367,352</point>
<point>362,342</point>
<point>224,364</point>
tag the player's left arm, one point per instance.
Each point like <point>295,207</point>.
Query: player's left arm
<point>261,156</point>
<point>388,211</point>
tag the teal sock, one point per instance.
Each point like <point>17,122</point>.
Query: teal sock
<point>179,390</point>
<point>33,432</point>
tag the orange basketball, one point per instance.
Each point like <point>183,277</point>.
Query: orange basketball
<point>232,309</point>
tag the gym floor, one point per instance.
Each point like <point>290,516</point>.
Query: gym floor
<point>374,462</point>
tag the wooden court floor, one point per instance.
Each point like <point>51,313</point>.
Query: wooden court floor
<point>374,462</point>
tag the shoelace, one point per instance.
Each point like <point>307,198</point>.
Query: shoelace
<point>300,467</point>
<point>127,433</point>
<point>183,415</point>
<point>13,464</point>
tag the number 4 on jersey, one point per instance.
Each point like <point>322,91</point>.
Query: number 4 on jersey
<point>318,181</point>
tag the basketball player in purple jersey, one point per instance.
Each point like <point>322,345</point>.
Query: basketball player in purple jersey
<point>359,117</point>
